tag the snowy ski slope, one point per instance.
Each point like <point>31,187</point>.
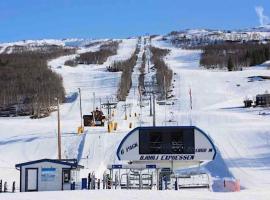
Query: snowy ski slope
<point>241,135</point>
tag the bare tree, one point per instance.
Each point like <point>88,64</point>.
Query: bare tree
<point>26,80</point>
<point>163,73</point>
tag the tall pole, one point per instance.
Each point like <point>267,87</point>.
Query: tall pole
<point>190,101</point>
<point>141,117</point>
<point>94,110</point>
<point>154,110</point>
<point>59,133</point>
<point>148,58</point>
<point>165,91</point>
<point>151,113</point>
<point>125,106</point>
<point>94,100</point>
<point>81,107</point>
<point>109,116</point>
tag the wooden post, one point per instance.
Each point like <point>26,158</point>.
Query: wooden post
<point>81,107</point>
<point>151,113</point>
<point>94,109</point>
<point>154,110</point>
<point>13,187</point>
<point>59,133</point>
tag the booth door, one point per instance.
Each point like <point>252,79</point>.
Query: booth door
<point>31,179</point>
<point>66,185</point>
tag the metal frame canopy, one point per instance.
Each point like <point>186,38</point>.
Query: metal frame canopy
<point>181,145</point>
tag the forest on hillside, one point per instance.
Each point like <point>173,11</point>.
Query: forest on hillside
<point>164,74</point>
<point>126,67</point>
<point>142,73</point>
<point>28,83</point>
<point>234,56</point>
<point>96,57</point>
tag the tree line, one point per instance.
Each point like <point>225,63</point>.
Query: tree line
<point>27,81</point>
<point>96,57</point>
<point>142,72</point>
<point>126,67</point>
<point>163,73</point>
<point>234,56</point>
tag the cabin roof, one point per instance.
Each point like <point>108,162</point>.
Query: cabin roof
<point>73,163</point>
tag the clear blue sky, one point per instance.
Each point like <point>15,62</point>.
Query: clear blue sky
<point>36,19</point>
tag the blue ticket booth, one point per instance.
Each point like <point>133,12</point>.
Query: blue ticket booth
<point>48,174</point>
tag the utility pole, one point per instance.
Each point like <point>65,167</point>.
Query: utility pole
<point>190,101</point>
<point>154,110</point>
<point>190,98</point>
<point>151,112</point>
<point>141,117</point>
<point>59,133</point>
<point>80,106</point>
<point>149,54</point>
<point>94,111</point>
<point>165,106</point>
<point>94,99</point>
<point>109,106</point>
<point>148,57</point>
<point>150,85</point>
<point>126,106</point>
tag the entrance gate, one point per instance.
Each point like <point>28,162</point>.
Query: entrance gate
<point>145,177</point>
<point>136,180</point>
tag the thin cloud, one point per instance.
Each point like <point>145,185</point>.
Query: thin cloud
<point>262,18</point>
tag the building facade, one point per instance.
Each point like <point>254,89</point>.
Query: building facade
<point>48,175</point>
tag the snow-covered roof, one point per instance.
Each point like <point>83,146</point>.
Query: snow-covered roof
<point>68,162</point>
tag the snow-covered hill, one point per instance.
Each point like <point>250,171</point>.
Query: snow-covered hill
<point>241,135</point>
<point>199,37</point>
<point>33,45</point>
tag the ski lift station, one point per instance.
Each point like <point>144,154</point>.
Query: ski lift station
<point>150,154</point>
<point>48,175</point>
<point>168,147</point>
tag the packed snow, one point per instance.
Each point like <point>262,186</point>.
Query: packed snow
<point>138,194</point>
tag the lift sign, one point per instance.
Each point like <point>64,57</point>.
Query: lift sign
<point>167,157</point>
<point>129,148</point>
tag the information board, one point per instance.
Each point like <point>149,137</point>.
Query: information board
<point>48,174</point>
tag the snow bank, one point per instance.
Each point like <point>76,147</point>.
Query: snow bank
<point>138,195</point>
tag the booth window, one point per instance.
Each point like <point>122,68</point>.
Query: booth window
<point>66,175</point>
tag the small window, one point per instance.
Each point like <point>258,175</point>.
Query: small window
<point>66,176</point>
